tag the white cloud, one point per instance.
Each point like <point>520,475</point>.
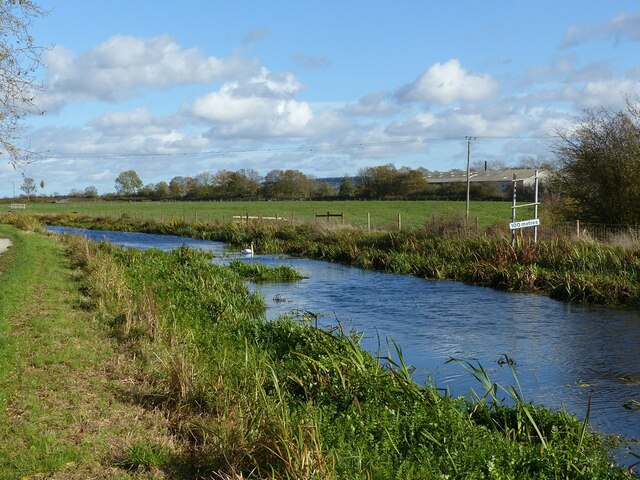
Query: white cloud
<point>121,66</point>
<point>448,82</point>
<point>261,107</point>
<point>609,93</point>
<point>624,26</point>
<point>374,104</point>
<point>133,122</point>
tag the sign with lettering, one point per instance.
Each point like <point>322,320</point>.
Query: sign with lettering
<point>524,223</point>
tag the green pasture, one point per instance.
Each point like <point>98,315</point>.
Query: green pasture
<point>379,214</point>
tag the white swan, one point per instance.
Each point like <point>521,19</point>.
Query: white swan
<point>247,251</point>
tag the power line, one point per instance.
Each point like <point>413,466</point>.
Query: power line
<point>306,148</point>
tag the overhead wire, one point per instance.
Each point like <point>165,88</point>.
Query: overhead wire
<point>299,148</point>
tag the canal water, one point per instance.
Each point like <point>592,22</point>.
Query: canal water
<point>562,353</point>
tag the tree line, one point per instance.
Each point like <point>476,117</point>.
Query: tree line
<point>385,182</point>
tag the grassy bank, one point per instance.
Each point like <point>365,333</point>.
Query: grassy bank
<point>257,399</point>
<point>60,374</point>
<point>582,272</point>
<point>165,368</point>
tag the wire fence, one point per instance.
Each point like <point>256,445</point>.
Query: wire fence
<point>602,232</point>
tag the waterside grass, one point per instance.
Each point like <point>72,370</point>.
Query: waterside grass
<point>286,400</point>
<point>574,271</point>
<point>60,373</point>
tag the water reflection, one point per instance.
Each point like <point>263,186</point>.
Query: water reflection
<point>563,352</point>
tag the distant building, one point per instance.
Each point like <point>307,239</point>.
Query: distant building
<point>502,179</point>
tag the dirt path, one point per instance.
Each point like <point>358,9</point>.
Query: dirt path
<point>4,244</point>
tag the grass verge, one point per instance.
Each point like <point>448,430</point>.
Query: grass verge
<point>61,375</point>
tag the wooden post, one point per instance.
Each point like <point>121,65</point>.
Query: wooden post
<point>578,229</point>
<point>327,215</point>
<point>276,216</point>
<point>247,214</point>
<point>368,221</point>
<point>316,214</point>
<point>399,222</point>
<point>477,225</point>
<point>342,220</point>
<point>293,218</point>
<point>433,220</point>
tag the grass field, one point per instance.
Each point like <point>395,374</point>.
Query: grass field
<point>382,214</point>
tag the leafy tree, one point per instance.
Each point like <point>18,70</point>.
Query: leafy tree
<point>91,191</point>
<point>323,190</point>
<point>128,183</point>
<point>19,61</point>
<point>161,190</point>
<point>599,166</point>
<point>180,186</point>
<point>410,182</point>
<point>28,186</point>
<point>287,184</point>
<point>244,183</point>
<point>378,182</point>
<point>347,188</point>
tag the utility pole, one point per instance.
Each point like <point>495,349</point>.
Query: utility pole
<point>469,140</point>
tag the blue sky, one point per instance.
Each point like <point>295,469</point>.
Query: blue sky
<point>177,88</point>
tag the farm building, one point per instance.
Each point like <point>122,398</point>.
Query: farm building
<point>502,178</point>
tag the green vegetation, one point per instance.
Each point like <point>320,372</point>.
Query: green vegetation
<point>60,373</point>
<point>262,273</point>
<point>600,161</point>
<point>383,214</point>
<point>173,372</point>
<point>257,399</point>
<point>581,272</point>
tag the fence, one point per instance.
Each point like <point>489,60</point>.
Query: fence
<point>590,231</point>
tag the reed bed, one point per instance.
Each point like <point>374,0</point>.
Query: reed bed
<point>248,398</point>
<point>575,271</point>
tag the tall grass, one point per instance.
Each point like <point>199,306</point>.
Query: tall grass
<point>286,400</point>
<point>575,271</point>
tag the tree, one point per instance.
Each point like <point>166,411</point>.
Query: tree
<point>28,186</point>
<point>324,190</point>
<point>91,191</point>
<point>128,183</point>
<point>599,166</point>
<point>180,186</point>
<point>19,60</point>
<point>161,190</point>
<point>347,188</point>
<point>287,184</point>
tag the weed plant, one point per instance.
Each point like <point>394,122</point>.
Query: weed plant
<point>258,272</point>
<point>286,400</point>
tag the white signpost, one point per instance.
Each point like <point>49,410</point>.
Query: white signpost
<point>513,226</point>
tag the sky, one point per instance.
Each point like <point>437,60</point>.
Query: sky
<point>327,87</point>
